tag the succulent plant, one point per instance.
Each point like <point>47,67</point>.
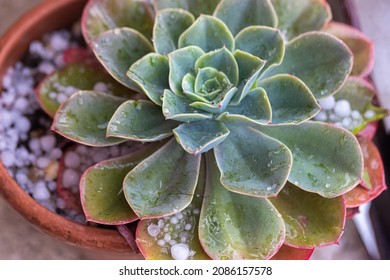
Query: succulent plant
<point>229,92</point>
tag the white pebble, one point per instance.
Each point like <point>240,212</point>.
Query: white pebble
<point>327,103</point>
<point>369,114</point>
<point>8,158</point>
<point>161,242</point>
<point>179,215</point>
<point>153,230</point>
<point>70,178</point>
<point>58,43</point>
<point>82,150</point>
<point>180,251</point>
<point>52,185</point>
<point>346,122</point>
<point>43,162</point>
<point>72,160</point>
<point>183,239</point>
<point>21,104</point>
<point>167,238</point>
<point>160,223</point>
<point>172,242</point>
<point>188,227</point>
<point>24,88</point>
<point>100,87</point>
<point>61,98</point>
<point>195,211</point>
<point>321,116</point>
<point>99,156</point>
<point>55,154</point>
<point>356,115</point>
<point>46,68</point>
<point>41,192</point>
<point>35,145</point>
<point>23,124</point>
<point>342,108</point>
<point>174,220</point>
<point>21,178</point>
<point>48,142</point>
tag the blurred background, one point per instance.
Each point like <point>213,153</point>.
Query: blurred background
<point>19,240</point>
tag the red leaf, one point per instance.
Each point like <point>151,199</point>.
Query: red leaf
<point>290,253</point>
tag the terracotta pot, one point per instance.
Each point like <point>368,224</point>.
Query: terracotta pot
<point>49,16</point>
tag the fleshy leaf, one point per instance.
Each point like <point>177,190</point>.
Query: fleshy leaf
<point>291,100</point>
<point>373,183</point>
<point>140,120</point>
<point>238,14</point>
<point>174,230</point>
<point>84,117</point>
<point>326,159</point>
<point>300,16</point>
<point>261,41</point>
<point>217,107</point>
<point>201,136</point>
<point>252,163</point>
<point>253,109</point>
<point>164,183</point>
<point>178,108</point>
<point>182,63</point>
<point>360,95</point>
<point>361,47</point>
<point>210,83</point>
<point>101,188</point>
<point>151,73</point>
<point>249,67</point>
<point>100,16</point>
<point>196,7</point>
<point>118,49</point>
<point>208,33</point>
<point>69,80</point>
<point>235,226</point>
<point>291,253</point>
<point>311,220</point>
<point>222,60</point>
<point>170,24</point>
<point>320,60</point>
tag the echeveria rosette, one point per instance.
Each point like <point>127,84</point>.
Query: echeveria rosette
<point>237,84</point>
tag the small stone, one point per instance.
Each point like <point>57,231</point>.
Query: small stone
<point>174,220</point>
<point>195,211</point>
<point>43,162</point>
<point>356,115</point>
<point>35,145</point>
<point>369,114</point>
<point>100,87</point>
<point>55,154</point>
<point>327,103</point>
<point>70,178</point>
<point>167,238</point>
<point>23,124</point>
<point>41,192</point>
<point>21,104</point>
<point>58,42</point>
<point>153,230</point>
<point>8,158</point>
<point>321,116</point>
<point>188,227</point>
<point>61,98</point>
<point>180,251</point>
<point>48,142</point>
<point>72,160</point>
<point>51,171</point>
<point>161,242</point>
<point>342,108</point>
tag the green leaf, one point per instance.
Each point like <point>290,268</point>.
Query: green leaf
<point>223,61</point>
<point>103,15</point>
<point>118,49</point>
<point>200,136</point>
<point>164,183</point>
<point>320,60</point>
<point>216,107</point>
<point>101,189</point>
<point>253,109</point>
<point>169,25</point>
<point>140,121</point>
<point>196,7</point>
<point>72,78</point>
<point>238,14</point>
<point>178,108</point>
<point>360,95</point>
<point>174,230</point>
<point>182,63</point>
<point>291,100</point>
<point>208,33</point>
<point>234,226</point>
<point>249,67</point>
<point>326,159</point>
<point>301,210</point>
<point>252,163</point>
<point>210,84</point>
<point>261,41</point>
<point>84,117</point>
<point>361,47</point>
<point>300,16</point>
<point>151,73</point>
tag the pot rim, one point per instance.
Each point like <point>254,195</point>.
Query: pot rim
<point>13,45</point>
